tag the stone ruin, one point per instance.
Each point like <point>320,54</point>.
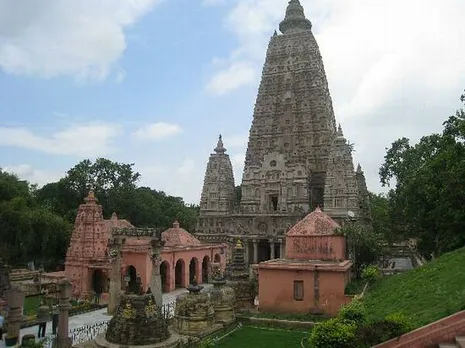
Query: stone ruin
<point>138,321</point>
<point>194,312</point>
<point>237,276</point>
<point>223,298</point>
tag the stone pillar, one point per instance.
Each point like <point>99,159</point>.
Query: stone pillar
<point>15,300</point>
<point>155,278</point>
<point>246,252</point>
<point>114,254</point>
<point>282,249</point>
<point>255,251</point>
<point>63,340</point>
<point>272,249</point>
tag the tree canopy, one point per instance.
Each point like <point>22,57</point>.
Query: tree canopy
<point>36,224</point>
<point>428,181</point>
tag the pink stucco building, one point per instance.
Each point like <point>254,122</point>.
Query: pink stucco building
<point>183,257</point>
<point>313,276</point>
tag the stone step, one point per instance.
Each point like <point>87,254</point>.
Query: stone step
<point>460,341</point>
<point>447,345</point>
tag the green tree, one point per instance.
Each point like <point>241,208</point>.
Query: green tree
<point>28,231</point>
<point>429,186</point>
<point>364,245</point>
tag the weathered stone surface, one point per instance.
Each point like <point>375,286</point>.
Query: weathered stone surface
<point>218,193</point>
<point>138,321</point>
<point>291,140</point>
<point>363,196</point>
<point>194,313</point>
<point>223,299</point>
<point>341,191</point>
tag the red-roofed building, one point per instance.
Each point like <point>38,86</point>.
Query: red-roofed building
<point>315,273</point>
<point>87,266</point>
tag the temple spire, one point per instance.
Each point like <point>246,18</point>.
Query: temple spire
<point>295,20</point>
<point>339,131</point>
<point>220,149</point>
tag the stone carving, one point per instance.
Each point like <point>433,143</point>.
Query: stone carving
<point>295,160</point>
<point>137,321</point>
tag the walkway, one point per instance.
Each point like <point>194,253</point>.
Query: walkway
<point>95,317</point>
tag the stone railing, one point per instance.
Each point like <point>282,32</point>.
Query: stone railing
<point>87,333</point>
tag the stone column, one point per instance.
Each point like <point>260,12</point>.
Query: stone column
<point>282,249</point>
<point>155,278</point>
<point>63,340</point>
<point>114,254</point>
<point>255,251</point>
<point>15,300</point>
<point>272,249</point>
<point>246,252</point>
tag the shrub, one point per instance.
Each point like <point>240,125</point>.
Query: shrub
<point>401,322</point>
<point>334,333</point>
<point>370,273</point>
<point>383,330</point>
<point>353,311</point>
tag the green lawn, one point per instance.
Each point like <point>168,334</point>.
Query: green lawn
<point>31,304</point>
<point>425,294</point>
<point>253,337</point>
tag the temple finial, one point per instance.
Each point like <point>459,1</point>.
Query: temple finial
<point>219,149</point>
<point>295,20</point>
<point>90,197</point>
<point>275,33</point>
<point>339,131</point>
<point>359,169</point>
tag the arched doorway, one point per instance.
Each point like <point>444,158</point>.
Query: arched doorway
<point>165,276</point>
<point>217,258</point>
<point>179,274</point>
<point>132,284</point>
<point>205,270</point>
<point>97,281</point>
<point>193,266</point>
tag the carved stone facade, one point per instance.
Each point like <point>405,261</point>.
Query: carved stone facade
<point>218,193</point>
<point>292,137</point>
<point>341,191</point>
<point>363,196</point>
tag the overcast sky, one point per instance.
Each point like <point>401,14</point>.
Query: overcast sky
<point>153,82</point>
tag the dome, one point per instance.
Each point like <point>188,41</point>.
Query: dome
<point>178,237</point>
<point>317,223</point>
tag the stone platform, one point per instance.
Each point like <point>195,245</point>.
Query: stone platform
<point>171,342</point>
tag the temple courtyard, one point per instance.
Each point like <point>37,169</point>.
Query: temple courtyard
<point>93,318</point>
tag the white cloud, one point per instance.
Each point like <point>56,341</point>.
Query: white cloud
<point>50,38</point>
<point>181,179</point>
<point>234,76</point>
<point>395,68</point>
<point>237,162</point>
<point>236,141</point>
<point>213,2</point>
<point>33,175</point>
<point>84,140</point>
<point>157,131</point>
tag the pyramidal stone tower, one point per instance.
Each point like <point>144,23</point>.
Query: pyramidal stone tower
<point>218,194</point>
<point>296,159</point>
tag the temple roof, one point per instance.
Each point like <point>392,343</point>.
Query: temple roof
<point>317,223</point>
<point>220,149</point>
<point>295,19</point>
<point>178,237</point>
<point>114,222</point>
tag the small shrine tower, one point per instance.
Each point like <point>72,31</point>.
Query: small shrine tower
<point>315,273</point>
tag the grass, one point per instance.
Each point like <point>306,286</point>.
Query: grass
<point>254,337</point>
<point>31,304</point>
<point>425,294</point>
<point>286,316</point>
<point>355,287</point>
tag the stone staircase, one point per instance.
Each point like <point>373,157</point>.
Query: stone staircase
<point>459,343</point>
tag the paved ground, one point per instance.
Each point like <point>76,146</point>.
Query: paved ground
<point>94,317</point>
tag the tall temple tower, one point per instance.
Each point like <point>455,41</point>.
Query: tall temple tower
<point>296,160</point>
